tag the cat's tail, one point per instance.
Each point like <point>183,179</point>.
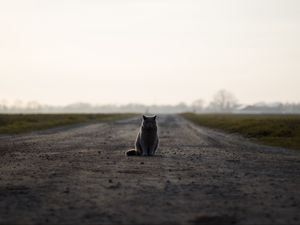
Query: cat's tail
<point>132,152</point>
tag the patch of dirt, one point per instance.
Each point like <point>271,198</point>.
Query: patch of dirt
<point>81,175</point>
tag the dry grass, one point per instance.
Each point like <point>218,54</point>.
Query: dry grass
<point>17,123</point>
<point>276,130</point>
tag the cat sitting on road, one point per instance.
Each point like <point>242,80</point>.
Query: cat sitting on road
<point>147,139</point>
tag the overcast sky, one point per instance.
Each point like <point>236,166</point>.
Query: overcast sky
<point>156,51</point>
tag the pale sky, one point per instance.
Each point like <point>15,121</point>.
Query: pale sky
<point>156,51</point>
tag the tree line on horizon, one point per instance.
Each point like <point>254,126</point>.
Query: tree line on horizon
<point>222,102</point>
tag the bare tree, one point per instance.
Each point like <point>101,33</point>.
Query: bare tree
<point>198,105</point>
<point>223,101</point>
<point>33,106</point>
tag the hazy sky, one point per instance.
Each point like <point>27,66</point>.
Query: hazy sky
<point>156,51</point>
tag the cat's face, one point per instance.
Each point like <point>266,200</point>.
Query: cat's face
<point>149,122</point>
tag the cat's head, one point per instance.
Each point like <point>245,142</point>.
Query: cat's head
<point>149,122</point>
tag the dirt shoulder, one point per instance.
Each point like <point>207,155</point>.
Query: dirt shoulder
<point>199,176</point>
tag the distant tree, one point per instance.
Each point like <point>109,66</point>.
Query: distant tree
<point>180,107</point>
<point>223,101</point>
<point>17,104</point>
<point>33,106</point>
<point>197,105</point>
<point>3,106</point>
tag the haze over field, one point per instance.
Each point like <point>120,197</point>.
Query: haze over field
<point>150,52</point>
<point>77,78</point>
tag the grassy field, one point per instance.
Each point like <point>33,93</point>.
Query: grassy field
<point>274,130</point>
<point>17,123</point>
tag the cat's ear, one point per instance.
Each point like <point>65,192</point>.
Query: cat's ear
<point>144,117</point>
<point>154,117</point>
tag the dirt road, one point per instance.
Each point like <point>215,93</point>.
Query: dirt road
<point>80,175</point>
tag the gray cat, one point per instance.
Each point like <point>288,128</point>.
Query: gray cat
<point>147,140</point>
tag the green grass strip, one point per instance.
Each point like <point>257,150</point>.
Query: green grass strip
<point>276,130</point>
<point>18,123</point>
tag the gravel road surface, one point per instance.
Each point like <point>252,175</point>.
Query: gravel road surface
<point>80,175</point>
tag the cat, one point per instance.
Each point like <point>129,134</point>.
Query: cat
<point>147,139</point>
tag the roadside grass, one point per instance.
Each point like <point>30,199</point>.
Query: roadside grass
<point>18,123</point>
<point>276,130</point>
